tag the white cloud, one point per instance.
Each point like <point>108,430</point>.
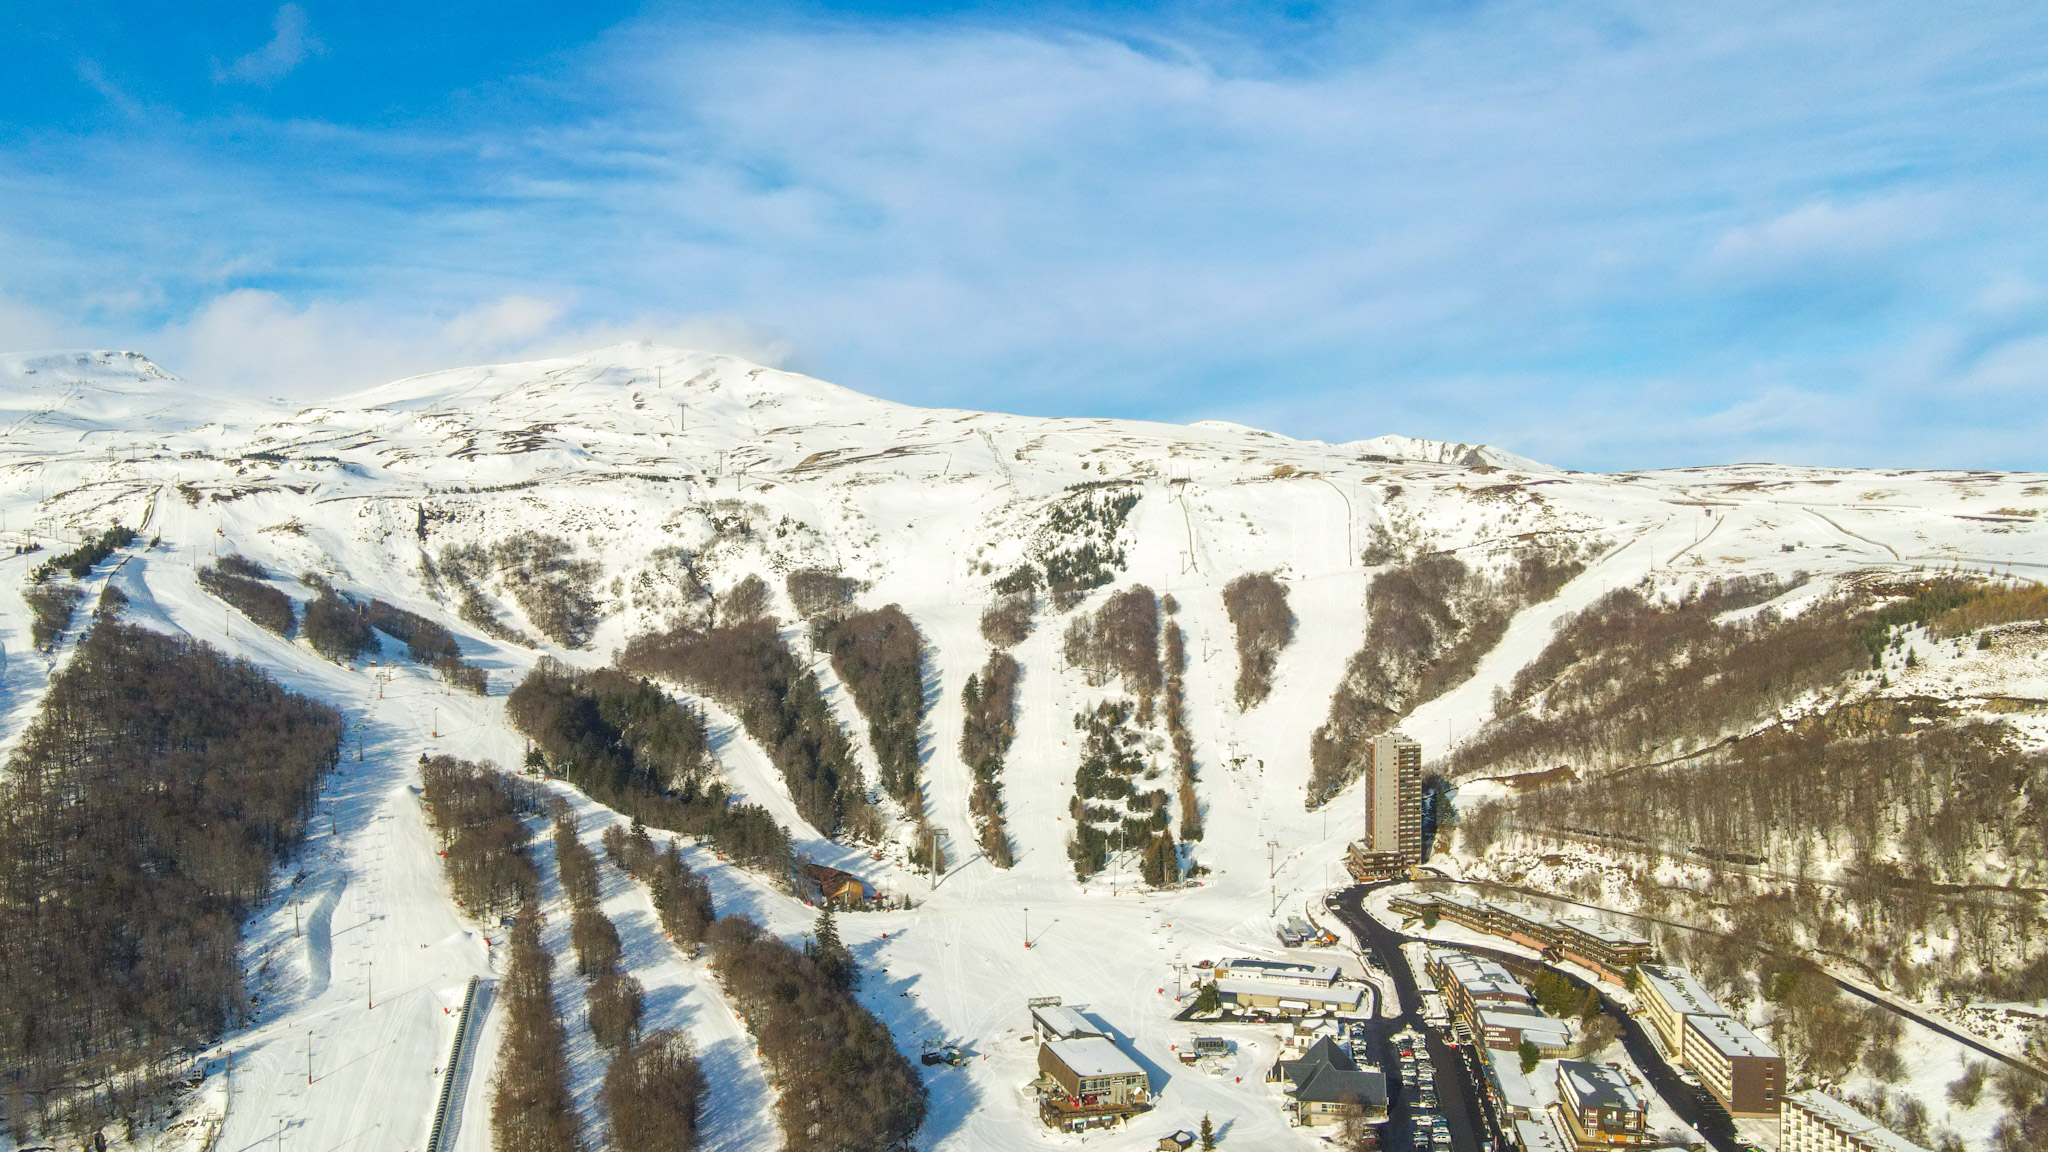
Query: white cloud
<point>257,342</point>
<point>289,45</point>
<point>1825,231</point>
<point>24,327</point>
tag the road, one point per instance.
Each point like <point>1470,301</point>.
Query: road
<point>1458,1090</point>
<point>1459,1080</point>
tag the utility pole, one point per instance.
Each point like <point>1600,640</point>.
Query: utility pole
<point>309,1057</point>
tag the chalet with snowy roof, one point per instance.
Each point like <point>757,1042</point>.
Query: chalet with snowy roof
<point>1600,1106</point>
<point>1052,1020</point>
<point>839,889</point>
<point>1089,1082</point>
<point>1537,1135</point>
<point>1326,1086</point>
<point>1513,1094</point>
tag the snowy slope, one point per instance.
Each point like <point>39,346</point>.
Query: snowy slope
<point>639,454</point>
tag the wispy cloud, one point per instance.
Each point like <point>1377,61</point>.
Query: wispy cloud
<point>1609,234</point>
<point>290,44</point>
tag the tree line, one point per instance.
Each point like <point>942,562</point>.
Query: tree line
<point>653,1090</point>
<point>631,746</point>
<point>478,813</point>
<point>241,583</point>
<point>1256,603</point>
<point>1177,730</point>
<point>80,561</point>
<point>1120,639</point>
<point>613,999</point>
<point>748,669</point>
<point>842,1085</point>
<point>531,1108</point>
<point>141,817</point>
<point>988,705</point>
<point>682,900</point>
<point>1429,621</point>
<point>1007,620</point>
<point>879,656</point>
<point>1633,678</point>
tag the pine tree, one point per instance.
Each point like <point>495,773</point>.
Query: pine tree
<point>832,956</point>
<point>1208,1134</point>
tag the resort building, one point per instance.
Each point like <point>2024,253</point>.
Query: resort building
<point>1669,995</point>
<point>1742,1071</point>
<point>1814,1121</point>
<point>1600,1106</point>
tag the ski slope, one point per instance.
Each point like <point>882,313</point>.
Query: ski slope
<point>638,453</point>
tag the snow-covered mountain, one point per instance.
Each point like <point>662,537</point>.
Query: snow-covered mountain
<point>673,470</point>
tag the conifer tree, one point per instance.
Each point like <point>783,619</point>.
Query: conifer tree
<point>832,956</point>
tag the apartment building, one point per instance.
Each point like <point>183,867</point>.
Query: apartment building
<point>1668,996</point>
<point>1814,1121</point>
<point>1742,1071</point>
<point>1600,1106</point>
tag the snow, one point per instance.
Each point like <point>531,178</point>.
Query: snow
<point>627,452</point>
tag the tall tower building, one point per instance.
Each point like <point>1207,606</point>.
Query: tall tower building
<point>1393,810</point>
<point>1393,798</point>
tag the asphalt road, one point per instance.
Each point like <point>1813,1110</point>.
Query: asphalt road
<point>1459,1095</point>
<point>1459,1080</point>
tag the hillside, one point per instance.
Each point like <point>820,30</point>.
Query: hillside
<point>561,508</point>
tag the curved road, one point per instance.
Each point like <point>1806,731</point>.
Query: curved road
<point>1459,1082</point>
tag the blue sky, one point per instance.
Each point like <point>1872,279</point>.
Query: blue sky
<point>1608,235</point>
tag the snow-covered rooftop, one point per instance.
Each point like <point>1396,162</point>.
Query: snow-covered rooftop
<point>1094,1056</point>
<point>1585,1084</point>
<point>1813,1106</point>
<point>1729,1036</point>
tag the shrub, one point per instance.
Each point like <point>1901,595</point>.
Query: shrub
<point>815,592</point>
<point>51,607</point>
<point>1257,605</point>
<point>1080,545</point>
<point>554,590</point>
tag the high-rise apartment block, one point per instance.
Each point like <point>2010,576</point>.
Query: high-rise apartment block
<point>1393,808</point>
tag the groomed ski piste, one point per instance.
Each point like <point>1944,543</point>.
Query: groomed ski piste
<point>359,965</point>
